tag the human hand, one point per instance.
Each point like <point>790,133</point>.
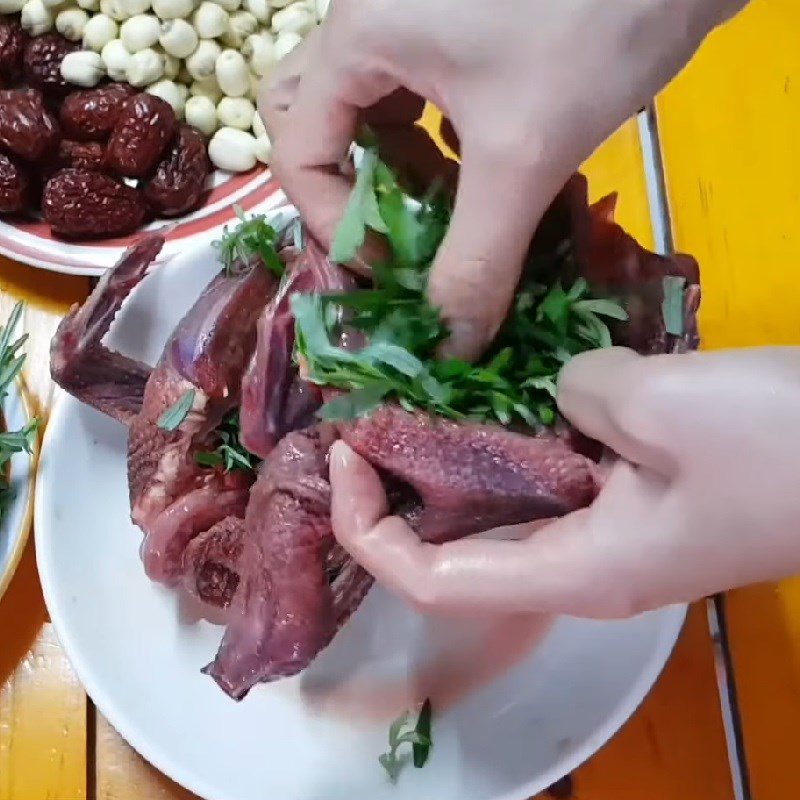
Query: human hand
<point>531,88</point>
<point>703,497</point>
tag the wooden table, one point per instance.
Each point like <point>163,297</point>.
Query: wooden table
<point>729,140</point>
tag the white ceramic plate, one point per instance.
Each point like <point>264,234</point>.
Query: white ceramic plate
<point>16,524</point>
<point>520,702</point>
<point>31,242</point>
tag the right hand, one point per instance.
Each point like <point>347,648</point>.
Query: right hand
<point>531,87</point>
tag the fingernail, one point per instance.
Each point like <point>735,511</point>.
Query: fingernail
<point>341,455</point>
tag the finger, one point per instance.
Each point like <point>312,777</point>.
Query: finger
<point>358,500</point>
<point>278,90</point>
<point>498,206</point>
<point>608,395</point>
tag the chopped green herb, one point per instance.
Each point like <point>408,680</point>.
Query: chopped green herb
<point>423,728</point>
<point>672,305</point>
<point>12,442</point>
<point>404,731</point>
<point>253,236</point>
<point>230,454</point>
<point>515,381</point>
<point>171,419</point>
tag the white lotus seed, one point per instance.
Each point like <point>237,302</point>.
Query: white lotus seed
<point>228,5</point>
<point>263,149</point>
<point>116,59</point>
<point>173,9</point>
<point>210,20</point>
<point>99,31</point>
<point>36,18</point>
<point>11,6</point>
<point>296,18</point>
<point>236,112</point>
<point>321,7</point>
<point>280,3</point>
<point>89,5</point>
<point>232,74</point>
<point>71,22</point>
<point>178,38</point>
<point>255,84</point>
<point>169,91</point>
<point>83,68</point>
<point>260,9</point>
<point>145,67</point>
<point>207,87</point>
<point>133,7</point>
<point>240,25</point>
<point>201,114</point>
<point>258,125</point>
<point>285,43</point>
<point>113,9</point>
<point>183,91</point>
<point>140,32</point>
<point>52,3</point>
<point>233,150</point>
<point>202,63</point>
<point>259,50</point>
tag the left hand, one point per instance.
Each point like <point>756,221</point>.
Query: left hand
<point>703,497</point>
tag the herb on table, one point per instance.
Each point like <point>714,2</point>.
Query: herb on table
<point>404,731</point>
<point>171,419</point>
<point>253,236</point>
<point>514,381</point>
<point>12,442</point>
<point>230,454</point>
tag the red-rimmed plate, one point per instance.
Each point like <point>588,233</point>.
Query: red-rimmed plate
<point>31,242</point>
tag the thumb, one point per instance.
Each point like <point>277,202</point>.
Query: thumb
<point>499,204</point>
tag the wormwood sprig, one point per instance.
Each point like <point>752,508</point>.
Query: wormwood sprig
<point>514,381</point>
<point>12,442</point>
<point>230,454</point>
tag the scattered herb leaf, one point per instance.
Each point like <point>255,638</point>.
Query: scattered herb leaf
<point>672,305</point>
<point>230,454</point>
<point>253,236</point>
<point>423,729</point>
<point>176,414</point>
<point>404,731</point>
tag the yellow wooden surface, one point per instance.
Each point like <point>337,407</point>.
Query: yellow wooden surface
<point>730,131</point>
<point>42,706</point>
<point>672,749</point>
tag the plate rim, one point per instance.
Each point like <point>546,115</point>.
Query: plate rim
<point>189,779</point>
<point>31,462</point>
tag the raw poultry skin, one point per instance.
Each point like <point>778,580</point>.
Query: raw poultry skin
<point>264,551</point>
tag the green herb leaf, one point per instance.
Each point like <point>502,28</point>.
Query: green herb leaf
<point>672,305</point>
<point>355,404</point>
<point>253,236</point>
<point>403,731</point>
<point>361,212</point>
<point>423,729</point>
<point>171,419</point>
<point>12,442</point>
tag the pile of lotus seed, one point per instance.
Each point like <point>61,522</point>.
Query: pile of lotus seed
<point>204,57</point>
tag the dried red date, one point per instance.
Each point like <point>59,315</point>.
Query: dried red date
<point>144,128</point>
<point>81,203</point>
<point>12,48</point>
<point>42,62</point>
<point>92,114</point>
<point>14,187</point>
<point>85,155</point>
<point>180,178</point>
<point>27,129</point>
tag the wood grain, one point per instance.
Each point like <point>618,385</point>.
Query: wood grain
<point>730,127</point>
